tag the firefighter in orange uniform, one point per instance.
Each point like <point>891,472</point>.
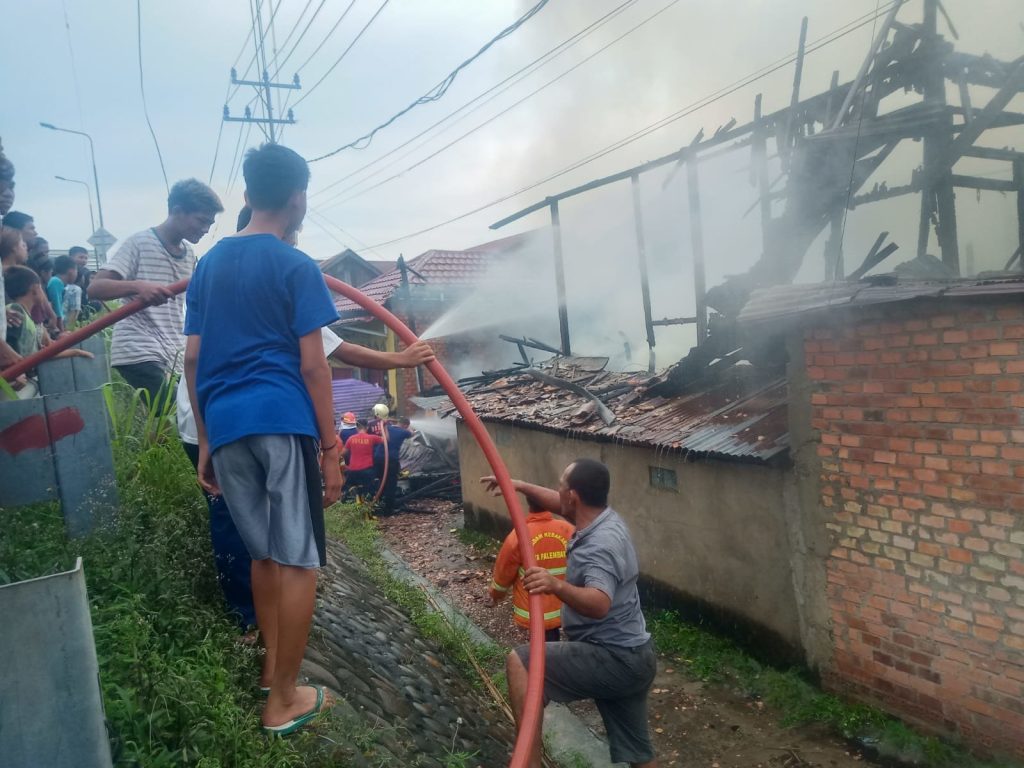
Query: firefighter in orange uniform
<point>549,537</point>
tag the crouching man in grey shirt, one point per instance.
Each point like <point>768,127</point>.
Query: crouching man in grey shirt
<point>609,656</point>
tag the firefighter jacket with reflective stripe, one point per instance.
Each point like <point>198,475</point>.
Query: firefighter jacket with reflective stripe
<point>549,538</point>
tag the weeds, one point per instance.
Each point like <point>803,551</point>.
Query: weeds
<point>348,523</point>
<point>716,660</point>
<point>177,689</point>
<point>481,542</point>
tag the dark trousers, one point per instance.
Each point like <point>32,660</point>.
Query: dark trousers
<point>360,481</point>
<point>234,566</point>
<point>387,499</point>
<point>149,376</point>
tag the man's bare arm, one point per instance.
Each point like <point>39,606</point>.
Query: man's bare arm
<point>586,601</point>
<point>317,376</point>
<point>363,357</point>
<point>107,284</point>
<point>545,498</point>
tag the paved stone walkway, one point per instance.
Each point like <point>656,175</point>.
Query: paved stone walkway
<point>399,699</point>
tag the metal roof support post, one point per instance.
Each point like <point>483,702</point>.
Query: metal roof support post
<point>563,308</point>
<point>641,257</point>
<point>697,240</point>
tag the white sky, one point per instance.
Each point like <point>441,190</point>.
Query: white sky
<point>692,49</point>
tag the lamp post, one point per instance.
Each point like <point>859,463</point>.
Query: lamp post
<point>88,194</point>
<point>92,152</point>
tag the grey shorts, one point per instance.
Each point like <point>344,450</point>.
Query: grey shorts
<point>617,679</point>
<point>273,488</point>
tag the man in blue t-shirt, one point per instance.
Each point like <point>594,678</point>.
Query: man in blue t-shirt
<point>260,389</point>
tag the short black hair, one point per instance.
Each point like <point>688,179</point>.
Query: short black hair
<point>244,217</point>
<point>62,264</point>
<point>41,264</point>
<point>18,281</point>
<point>77,249</point>
<point>361,423</point>
<point>272,175</point>
<point>591,481</point>
<point>404,421</point>
<point>533,506</point>
<point>17,219</point>
<point>192,196</point>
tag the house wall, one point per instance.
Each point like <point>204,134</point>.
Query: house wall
<point>917,473</point>
<point>719,541</point>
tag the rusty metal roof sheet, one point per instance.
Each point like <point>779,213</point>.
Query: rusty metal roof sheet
<point>742,416</point>
<point>785,301</point>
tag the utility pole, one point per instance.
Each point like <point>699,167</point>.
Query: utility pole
<point>263,88</point>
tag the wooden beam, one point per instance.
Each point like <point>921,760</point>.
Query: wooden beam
<point>697,241</point>
<point>563,307</point>
<point>641,258</point>
<point>990,153</point>
<point>989,185</point>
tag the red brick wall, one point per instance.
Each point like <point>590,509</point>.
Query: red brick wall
<point>917,408</point>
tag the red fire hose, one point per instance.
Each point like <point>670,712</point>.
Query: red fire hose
<point>533,710</point>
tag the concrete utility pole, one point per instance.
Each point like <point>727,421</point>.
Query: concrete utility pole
<point>263,87</point>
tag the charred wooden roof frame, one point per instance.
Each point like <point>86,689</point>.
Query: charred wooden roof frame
<point>828,153</point>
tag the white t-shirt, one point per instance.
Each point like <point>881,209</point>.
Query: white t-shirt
<point>187,422</point>
<point>152,335</point>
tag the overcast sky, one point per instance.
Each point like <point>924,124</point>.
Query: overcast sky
<point>690,50</point>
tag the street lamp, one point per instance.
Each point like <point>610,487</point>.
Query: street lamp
<point>92,152</point>
<point>88,194</point>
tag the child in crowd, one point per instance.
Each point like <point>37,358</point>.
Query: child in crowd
<point>22,288</point>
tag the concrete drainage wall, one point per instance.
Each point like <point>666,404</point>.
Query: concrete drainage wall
<point>56,447</point>
<point>51,710</point>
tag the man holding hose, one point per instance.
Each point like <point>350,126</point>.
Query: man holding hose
<point>608,656</point>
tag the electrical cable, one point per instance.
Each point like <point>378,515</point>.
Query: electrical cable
<point>326,37</point>
<point>764,71</point>
<point>515,78</point>
<point>344,53</point>
<point>316,51</point>
<point>74,66</point>
<point>142,89</point>
<point>216,150</point>
<point>503,112</point>
<point>302,34</point>
<point>657,125</point>
<point>439,90</point>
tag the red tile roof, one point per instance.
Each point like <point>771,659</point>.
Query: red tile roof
<point>438,268</point>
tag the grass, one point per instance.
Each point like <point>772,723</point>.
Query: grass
<point>715,659</point>
<point>481,542</point>
<point>348,523</point>
<point>177,689</point>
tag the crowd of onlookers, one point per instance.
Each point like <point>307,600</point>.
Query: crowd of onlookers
<point>42,296</point>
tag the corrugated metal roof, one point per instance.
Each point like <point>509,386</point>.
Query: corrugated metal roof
<point>742,416</point>
<point>783,301</point>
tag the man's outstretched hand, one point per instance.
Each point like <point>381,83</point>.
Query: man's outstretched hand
<point>419,353</point>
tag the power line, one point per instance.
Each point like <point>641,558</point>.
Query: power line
<point>74,65</point>
<point>515,78</point>
<point>439,90</point>
<point>507,109</point>
<point>344,53</point>
<point>302,34</point>
<point>216,150</point>
<point>322,42</point>
<point>657,125</point>
<point>142,89</point>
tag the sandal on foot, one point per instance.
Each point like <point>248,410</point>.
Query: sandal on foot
<point>298,722</point>
<point>264,691</point>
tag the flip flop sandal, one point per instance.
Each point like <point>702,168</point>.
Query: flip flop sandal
<point>296,723</point>
<point>264,691</point>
